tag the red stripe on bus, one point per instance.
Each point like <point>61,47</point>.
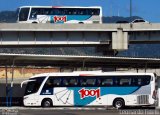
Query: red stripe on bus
<point>85,74</point>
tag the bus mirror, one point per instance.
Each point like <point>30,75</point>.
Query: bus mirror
<point>26,82</point>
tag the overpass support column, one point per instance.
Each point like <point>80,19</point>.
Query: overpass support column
<point>120,40</point>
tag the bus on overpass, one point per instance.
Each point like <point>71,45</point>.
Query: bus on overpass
<point>65,14</point>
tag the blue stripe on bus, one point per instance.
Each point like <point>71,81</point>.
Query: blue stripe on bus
<point>71,17</point>
<point>103,91</point>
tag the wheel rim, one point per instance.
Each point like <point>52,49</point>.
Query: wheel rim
<point>47,104</point>
<point>118,104</point>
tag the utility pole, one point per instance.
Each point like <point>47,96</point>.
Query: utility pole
<point>130,8</point>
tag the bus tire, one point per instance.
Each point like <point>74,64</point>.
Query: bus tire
<point>47,103</point>
<point>81,22</point>
<point>34,23</point>
<point>119,103</point>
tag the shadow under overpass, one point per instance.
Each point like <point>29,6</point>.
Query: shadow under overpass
<point>17,95</point>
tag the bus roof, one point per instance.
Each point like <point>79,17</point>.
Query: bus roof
<point>62,6</point>
<point>89,73</point>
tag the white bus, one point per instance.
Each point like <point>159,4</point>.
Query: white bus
<point>65,14</point>
<point>91,88</point>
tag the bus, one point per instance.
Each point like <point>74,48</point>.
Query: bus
<point>65,14</point>
<point>92,88</point>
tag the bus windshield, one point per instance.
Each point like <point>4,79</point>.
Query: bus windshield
<point>33,86</point>
<point>23,14</point>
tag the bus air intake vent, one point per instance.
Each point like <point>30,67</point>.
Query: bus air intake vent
<point>143,99</point>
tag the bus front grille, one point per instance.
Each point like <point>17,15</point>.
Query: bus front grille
<point>143,99</point>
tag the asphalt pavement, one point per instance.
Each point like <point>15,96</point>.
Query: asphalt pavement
<point>75,111</point>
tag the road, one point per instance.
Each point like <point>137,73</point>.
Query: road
<point>75,111</point>
<point>69,112</point>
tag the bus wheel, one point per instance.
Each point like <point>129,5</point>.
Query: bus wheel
<point>34,22</point>
<point>81,22</point>
<point>118,103</point>
<point>47,103</point>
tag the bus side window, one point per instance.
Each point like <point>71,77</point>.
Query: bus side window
<point>107,82</point>
<point>42,11</point>
<point>65,10</point>
<point>85,12</point>
<point>57,82</point>
<point>146,80</point>
<point>74,12</point>
<point>99,82</point>
<point>80,11</point>
<point>47,11</point>
<point>73,82</point>
<point>69,12</point>
<point>91,81</point>
<point>33,14</point>
<point>62,11</point>
<point>83,82</point>
<point>49,83</point>
<point>137,81</point>
<point>95,11</point>
<point>125,82</point>
<point>53,11</point>
<point>65,82</point>
<point>141,80</point>
<point>90,12</point>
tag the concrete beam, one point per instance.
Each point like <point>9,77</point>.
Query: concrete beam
<point>53,38</point>
<point>79,27</point>
<point>79,34</point>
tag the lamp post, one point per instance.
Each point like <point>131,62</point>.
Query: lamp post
<point>130,8</point>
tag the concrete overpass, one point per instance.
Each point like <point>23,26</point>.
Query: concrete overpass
<point>116,36</point>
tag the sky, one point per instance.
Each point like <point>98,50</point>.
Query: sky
<point>147,9</point>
